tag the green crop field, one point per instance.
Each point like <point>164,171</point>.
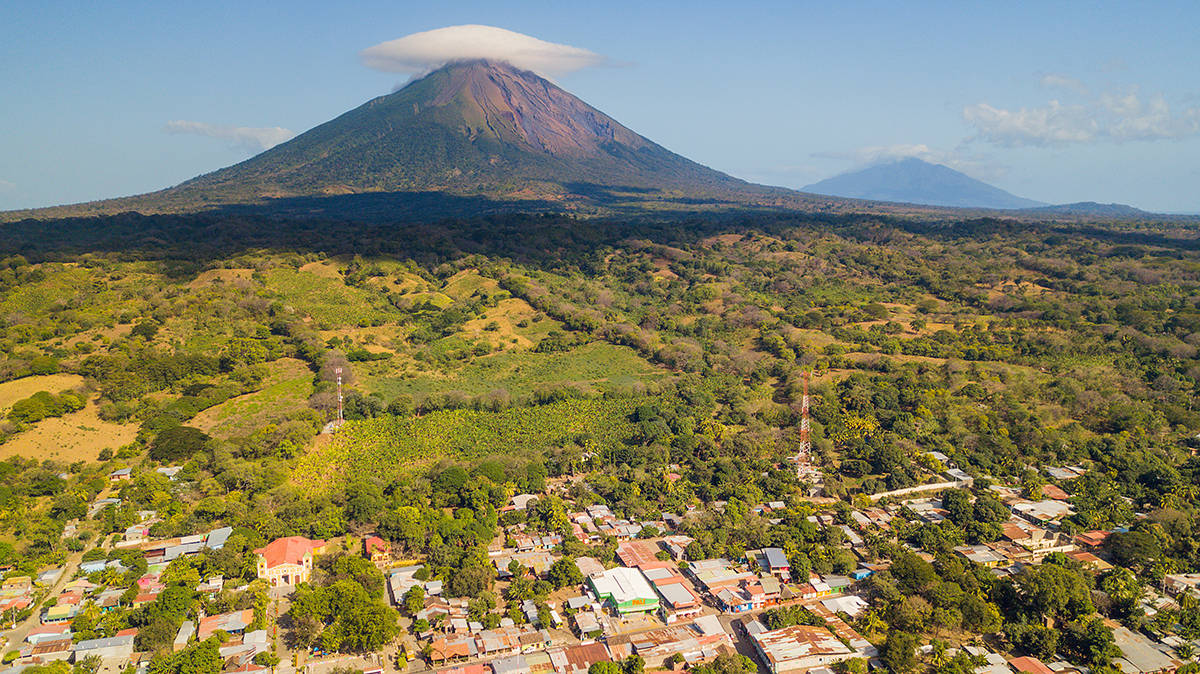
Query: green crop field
<point>602,365</point>
<point>328,301</point>
<point>285,392</point>
<point>385,447</point>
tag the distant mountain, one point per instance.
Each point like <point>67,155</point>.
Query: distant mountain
<point>1093,208</point>
<point>915,181</point>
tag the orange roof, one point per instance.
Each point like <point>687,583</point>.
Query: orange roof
<point>445,649</point>
<point>1030,665</point>
<point>585,655</point>
<point>376,543</point>
<point>290,550</point>
<point>1054,492</point>
<point>1013,532</point>
<point>1093,538</point>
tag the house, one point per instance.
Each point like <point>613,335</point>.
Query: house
<point>588,566</point>
<point>452,647</point>
<point>49,651</point>
<point>288,561</point>
<point>626,589</point>
<point>577,659</point>
<point>980,554</point>
<point>798,648</point>
<point>1090,561</point>
<point>1092,540</point>
<point>49,576</point>
<point>376,549</point>
<point>519,502</point>
<point>1047,512</point>
<point>111,648</point>
<point>102,503</point>
<point>186,631</point>
<point>120,475</point>
<point>1029,665</point>
<point>60,613</point>
<point>586,623</point>
<point>538,560</point>
<point>45,633</point>
<point>772,561</point>
<point>1055,492</point>
<point>637,553</point>
<point>534,641</point>
<point>714,574</point>
<point>697,642</point>
<point>402,580</point>
<point>679,602</point>
<point>851,604</point>
<point>215,539</point>
<point>1176,583</point>
<point>1140,655</point>
<point>231,623</point>
<point>513,664</point>
<point>17,584</point>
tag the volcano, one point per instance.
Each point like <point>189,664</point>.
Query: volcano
<point>471,127</point>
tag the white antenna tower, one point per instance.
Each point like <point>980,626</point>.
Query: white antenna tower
<point>338,372</point>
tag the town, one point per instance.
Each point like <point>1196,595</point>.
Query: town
<point>575,588</point>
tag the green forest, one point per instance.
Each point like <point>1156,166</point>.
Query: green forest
<point>485,357</point>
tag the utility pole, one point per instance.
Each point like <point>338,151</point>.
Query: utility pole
<point>341,418</point>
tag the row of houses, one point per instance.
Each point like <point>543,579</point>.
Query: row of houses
<point>560,660</point>
<point>696,642</point>
<point>502,641</point>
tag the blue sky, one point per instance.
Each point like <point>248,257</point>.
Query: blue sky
<point>1060,102</point>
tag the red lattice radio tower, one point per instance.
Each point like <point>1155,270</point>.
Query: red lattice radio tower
<point>805,440</point>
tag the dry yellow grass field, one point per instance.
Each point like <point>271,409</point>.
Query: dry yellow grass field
<point>12,391</point>
<point>78,436</point>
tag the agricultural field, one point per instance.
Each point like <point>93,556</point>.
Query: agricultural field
<point>600,365</point>
<point>284,393</point>
<point>325,299</point>
<point>386,447</point>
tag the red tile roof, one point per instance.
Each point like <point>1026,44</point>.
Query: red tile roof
<point>290,550</point>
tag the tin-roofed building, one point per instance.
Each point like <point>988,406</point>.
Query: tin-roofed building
<point>626,589</point>
<point>111,648</point>
<point>799,647</point>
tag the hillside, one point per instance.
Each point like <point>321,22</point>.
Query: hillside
<point>1092,208</point>
<point>919,182</point>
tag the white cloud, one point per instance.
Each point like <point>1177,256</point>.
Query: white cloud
<point>422,52</point>
<point>1114,117</point>
<point>6,186</point>
<point>1067,83</point>
<point>253,140</point>
<point>1052,124</point>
